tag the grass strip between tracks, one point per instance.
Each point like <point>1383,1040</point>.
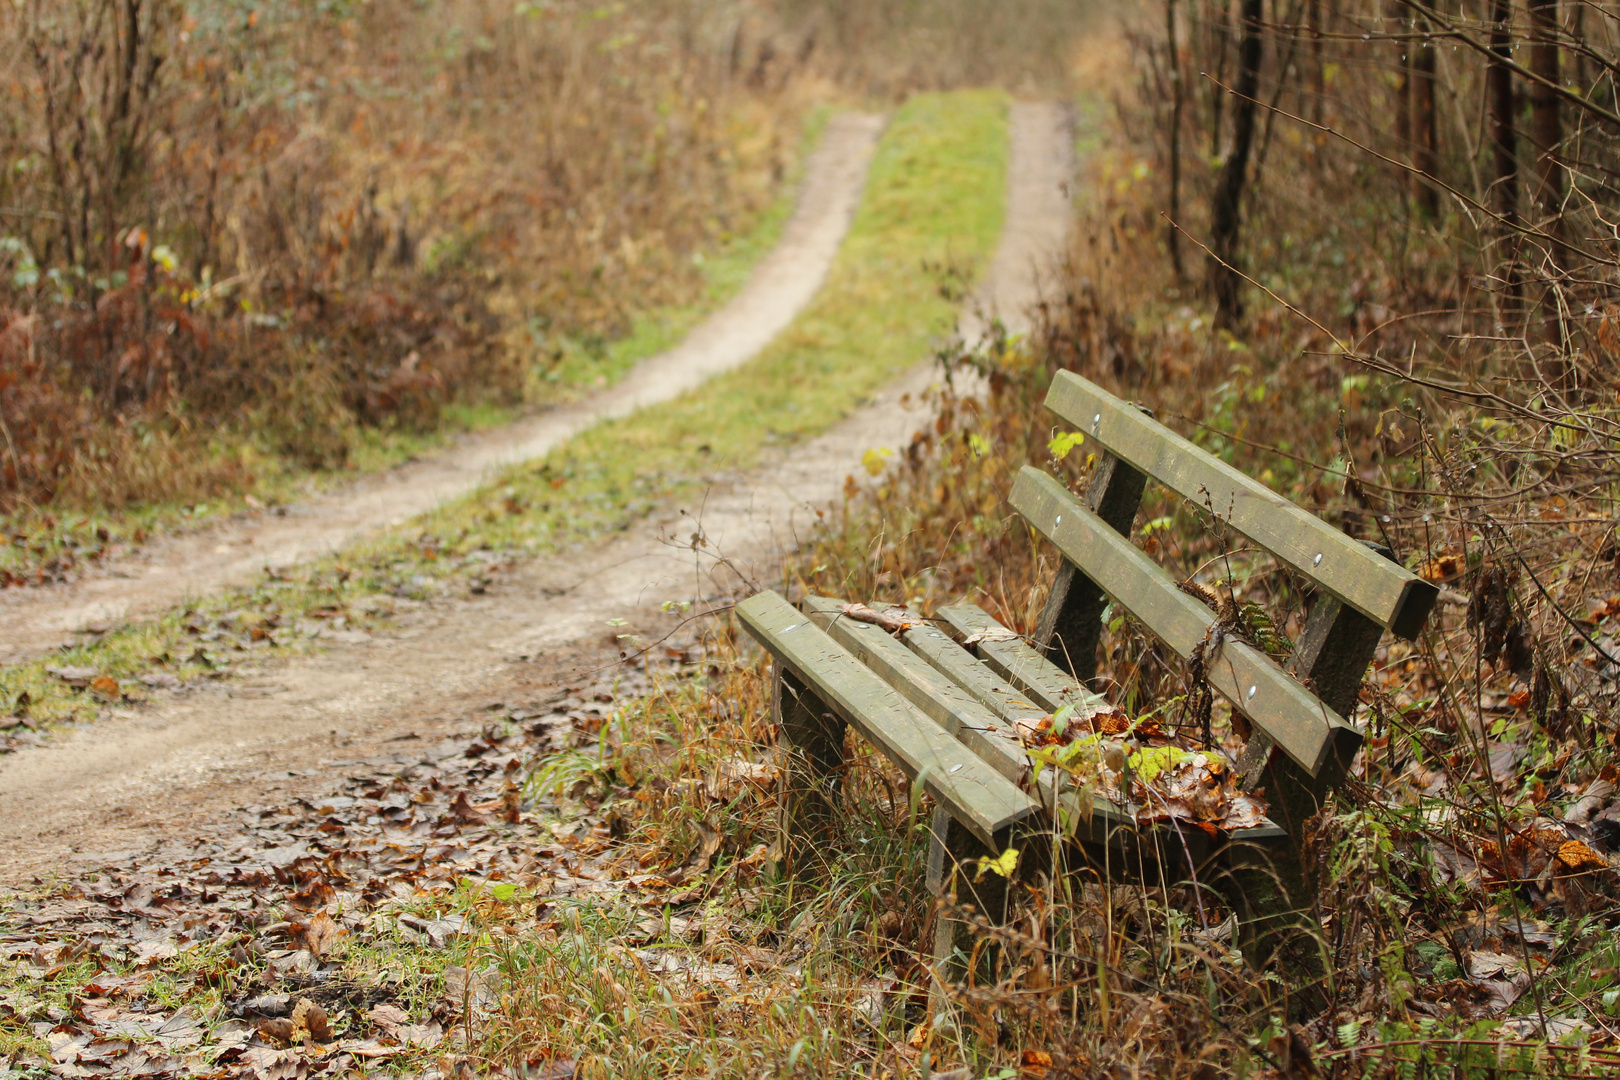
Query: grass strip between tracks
<point>932,210</point>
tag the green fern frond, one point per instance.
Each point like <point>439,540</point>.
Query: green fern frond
<point>1263,631</point>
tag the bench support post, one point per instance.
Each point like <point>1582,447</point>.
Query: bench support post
<point>1071,623</point>
<point>814,739</point>
<point>953,855</point>
<point>1331,658</point>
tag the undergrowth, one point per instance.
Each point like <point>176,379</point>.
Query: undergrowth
<point>239,239</point>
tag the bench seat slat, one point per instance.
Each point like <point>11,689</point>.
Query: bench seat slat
<point>1382,590</point>
<point>1301,726</point>
<point>1020,664</point>
<point>973,675</point>
<point>976,794</point>
<point>969,619</point>
<point>970,723</point>
<point>1007,702</point>
<point>987,733</point>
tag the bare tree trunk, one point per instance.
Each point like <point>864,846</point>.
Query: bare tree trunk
<point>1546,123</point>
<point>1313,16</point>
<point>1547,135</point>
<point>1504,146</point>
<point>1425,133</point>
<point>1396,17</point>
<point>1220,35</point>
<point>1226,210</point>
<point>1176,99</point>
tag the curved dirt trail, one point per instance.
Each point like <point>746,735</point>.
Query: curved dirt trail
<point>121,786</point>
<point>175,570</point>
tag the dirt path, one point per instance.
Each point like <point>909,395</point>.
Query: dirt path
<point>171,572</point>
<point>126,783</point>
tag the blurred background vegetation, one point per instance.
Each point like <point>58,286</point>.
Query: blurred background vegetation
<point>236,237</point>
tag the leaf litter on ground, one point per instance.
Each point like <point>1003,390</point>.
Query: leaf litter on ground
<point>334,931</point>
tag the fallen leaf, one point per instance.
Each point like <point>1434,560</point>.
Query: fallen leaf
<point>309,1021</point>
<point>894,620</point>
<point>151,952</point>
<point>277,1032</point>
<point>370,1048</point>
<point>1504,761</point>
<point>73,676</point>
<point>1590,802</point>
<point>438,931</point>
<point>710,840</point>
<point>1578,857</point>
<point>388,1017</point>
<point>1035,1062</point>
<point>993,634</point>
<point>1558,1027</point>
<point>320,935</point>
<point>1484,964</point>
<point>462,810</point>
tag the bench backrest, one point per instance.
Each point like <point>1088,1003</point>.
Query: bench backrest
<point>1362,591</point>
<point>1378,587</point>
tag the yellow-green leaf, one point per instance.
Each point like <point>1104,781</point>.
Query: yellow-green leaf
<point>1061,444</point>
<point>1003,864</point>
<point>875,459</point>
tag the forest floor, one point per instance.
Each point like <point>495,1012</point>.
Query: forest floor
<point>117,790</point>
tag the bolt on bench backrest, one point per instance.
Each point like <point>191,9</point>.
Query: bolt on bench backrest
<point>1363,592</point>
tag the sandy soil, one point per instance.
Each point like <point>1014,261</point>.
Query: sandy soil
<point>171,572</point>
<point>125,783</point>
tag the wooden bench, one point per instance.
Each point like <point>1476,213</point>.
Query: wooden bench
<point>945,699</point>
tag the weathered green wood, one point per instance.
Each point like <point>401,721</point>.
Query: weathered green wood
<point>1302,726</point>
<point>1070,625</point>
<point>973,675</point>
<point>1380,589</point>
<point>952,853</point>
<point>970,619</point>
<point>977,795</point>
<point>989,733</point>
<point>1015,660</point>
<point>813,737</point>
<point>989,736</point>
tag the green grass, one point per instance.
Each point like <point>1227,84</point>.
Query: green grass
<point>933,208</point>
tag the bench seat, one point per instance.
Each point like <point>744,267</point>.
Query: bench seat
<point>950,720</point>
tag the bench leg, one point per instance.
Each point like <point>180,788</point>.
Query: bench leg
<point>1280,922</point>
<point>1278,925</point>
<point>953,855</point>
<point>814,740</point>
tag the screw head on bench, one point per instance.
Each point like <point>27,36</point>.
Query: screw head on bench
<point>1318,560</point>
<point>1252,690</point>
